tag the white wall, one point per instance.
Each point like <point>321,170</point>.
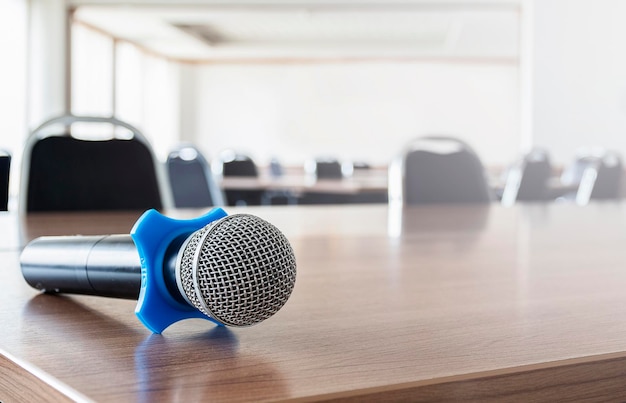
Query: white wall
<point>359,111</point>
<point>579,76</point>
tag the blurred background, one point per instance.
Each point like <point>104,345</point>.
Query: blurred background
<point>296,80</point>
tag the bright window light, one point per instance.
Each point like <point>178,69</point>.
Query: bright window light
<point>13,45</point>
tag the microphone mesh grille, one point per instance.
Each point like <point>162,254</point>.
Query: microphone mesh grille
<point>187,265</point>
<point>239,270</point>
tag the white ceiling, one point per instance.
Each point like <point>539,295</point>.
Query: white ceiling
<point>208,31</point>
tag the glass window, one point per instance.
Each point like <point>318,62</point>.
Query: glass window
<point>117,78</point>
<point>92,72</point>
<point>147,95</point>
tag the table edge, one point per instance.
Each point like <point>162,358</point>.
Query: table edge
<point>579,378</point>
<point>21,379</point>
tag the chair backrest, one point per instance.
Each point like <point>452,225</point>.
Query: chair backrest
<point>276,168</point>
<point>62,172</point>
<point>5,168</point>
<point>573,173</point>
<point>601,178</point>
<point>438,170</point>
<point>529,179</point>
<point>191,179</point>
<point>239,165</point>
<point>609,178</point>
<point>328,169</point>
<point>233,164</point>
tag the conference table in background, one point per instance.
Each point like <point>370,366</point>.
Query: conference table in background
<point>301,184</point>
<point>431,303</point>
<point>367,186</point>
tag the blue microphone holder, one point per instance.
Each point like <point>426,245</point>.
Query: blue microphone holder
<point>153,233</point>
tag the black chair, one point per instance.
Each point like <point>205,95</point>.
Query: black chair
<point>191,179</point>
<point>601,178</point>
<point>276,168</point>
<point>239,165</point>
<point>528,180</point>
<point>327,168</point>
<point>324,169</point>
<point>235,164</point>
<point>438,170</point>
<point>5,168</point>
<point>573,173</point>
<point>115,170</point>
<point>278,196</point>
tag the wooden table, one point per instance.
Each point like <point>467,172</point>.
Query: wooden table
<point>426,304</point>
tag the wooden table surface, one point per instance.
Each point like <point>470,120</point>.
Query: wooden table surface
<point>422,304</point>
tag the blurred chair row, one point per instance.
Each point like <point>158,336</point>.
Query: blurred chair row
<point>68,166</point>
<point>233,164</point>
<point>118,171</point>
<point>113,168</point>
<point>441,169</point>
<point>594,175</point>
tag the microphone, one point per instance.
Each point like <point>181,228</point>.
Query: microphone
<point>235,270</point>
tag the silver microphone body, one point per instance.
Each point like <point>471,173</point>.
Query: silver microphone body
<point>104,265</point>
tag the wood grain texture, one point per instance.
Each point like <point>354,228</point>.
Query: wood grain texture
<point>17,384</point>
<point>425,303</point>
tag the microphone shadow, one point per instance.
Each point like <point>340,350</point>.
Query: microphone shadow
<point>70,317</point>
<point>220,339</point>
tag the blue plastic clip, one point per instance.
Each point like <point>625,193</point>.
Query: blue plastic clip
<point>152,234</point>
